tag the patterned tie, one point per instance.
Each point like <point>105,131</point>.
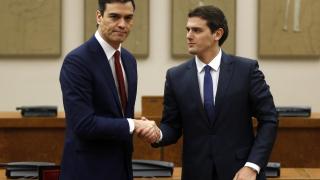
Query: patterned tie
<point>208,100</point>
<point>121,86</point>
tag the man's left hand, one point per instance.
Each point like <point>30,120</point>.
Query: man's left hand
<point>245,173</point>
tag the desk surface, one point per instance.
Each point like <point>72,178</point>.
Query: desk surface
<point>14,119</point>
<point>286,174</point>
<point>300,122</point>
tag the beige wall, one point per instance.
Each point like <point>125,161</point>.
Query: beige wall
<point>35,82</point>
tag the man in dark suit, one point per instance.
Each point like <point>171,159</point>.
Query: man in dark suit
<point>211,100</point>
<point>99,84</point>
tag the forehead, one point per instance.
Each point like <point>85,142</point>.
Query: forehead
<point>196,22</point>
<point>119,8</point>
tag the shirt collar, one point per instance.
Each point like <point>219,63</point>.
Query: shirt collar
<point>214,63</point>
<point>107,48</point>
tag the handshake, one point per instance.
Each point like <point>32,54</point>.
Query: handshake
<point>147,130</point>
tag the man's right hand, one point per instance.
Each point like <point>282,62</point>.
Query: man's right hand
<point>147,130</point>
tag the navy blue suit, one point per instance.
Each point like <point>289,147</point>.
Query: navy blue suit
<point>229,142</point>
<point>98,144</point>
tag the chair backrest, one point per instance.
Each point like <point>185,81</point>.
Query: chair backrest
<point>49,173</point>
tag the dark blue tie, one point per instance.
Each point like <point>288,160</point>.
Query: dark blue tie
<point>208,100</point>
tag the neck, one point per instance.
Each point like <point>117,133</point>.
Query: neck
<point>115,45</point>
<point>209,55</point>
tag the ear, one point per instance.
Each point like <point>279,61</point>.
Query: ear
<point>98,17</point>
<point>218,34</point>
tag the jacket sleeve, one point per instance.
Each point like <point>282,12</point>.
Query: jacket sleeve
<point>171,126</point>
<point>264,111</point>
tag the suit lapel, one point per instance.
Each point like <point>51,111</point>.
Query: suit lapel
<point>105,68</point>
<point>226,70</point>
<point>192,79</point>
<point>129,70</point>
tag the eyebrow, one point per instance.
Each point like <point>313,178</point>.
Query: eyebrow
<point>117,14</point>
<point>193,28</point>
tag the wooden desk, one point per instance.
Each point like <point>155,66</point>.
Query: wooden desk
<point>31,139</point>
<point>297,143</point>
<point>42,139</point>
<point>286,174</point>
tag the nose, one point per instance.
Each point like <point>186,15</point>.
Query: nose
<point>122,23</point>
<point>189,35</point>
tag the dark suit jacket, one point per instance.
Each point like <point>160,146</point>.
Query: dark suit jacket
<point>98,144</point>
<point>229,142</point>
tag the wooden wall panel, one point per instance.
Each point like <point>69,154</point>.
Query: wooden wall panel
<point>31,144</point>
<point>30,28</point>
<point>289,29</point>
<point>31,139</point>
<point>297,147</point>
<point>143,150</point>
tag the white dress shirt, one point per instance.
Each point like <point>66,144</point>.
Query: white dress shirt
<point>109,51</point>
<point>215,69</point>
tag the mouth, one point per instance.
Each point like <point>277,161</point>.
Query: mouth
<point>120,32</point>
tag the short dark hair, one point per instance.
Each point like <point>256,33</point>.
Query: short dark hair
<point>215,19</point>
<point>102,4</point>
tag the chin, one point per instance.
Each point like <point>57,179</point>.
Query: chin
<point>192,51</point>
<point>119,40</point>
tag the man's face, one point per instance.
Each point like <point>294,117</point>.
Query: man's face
<point>199,37</point>
<point>116,22</point>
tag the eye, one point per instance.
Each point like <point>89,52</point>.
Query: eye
<point>114,16</point>
<point>197,30</point>
<point>128,18</point>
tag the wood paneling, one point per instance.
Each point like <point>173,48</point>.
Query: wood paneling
<point>143,150</point>
<point>42,139</point>
<point>297,147</point>
<point>152,106</point>
<point>31,139</point>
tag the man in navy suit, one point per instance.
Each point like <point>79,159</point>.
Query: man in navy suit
<point>211,100</point>
<point>99,85</point>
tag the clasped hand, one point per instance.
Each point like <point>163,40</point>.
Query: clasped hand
<point>147,130</point>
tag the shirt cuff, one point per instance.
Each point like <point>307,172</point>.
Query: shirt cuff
<point>131,125</point>
<point>160,138</point>
<point>253,166</point>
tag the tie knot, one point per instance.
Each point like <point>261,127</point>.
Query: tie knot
<point>207,69</point>
<point>116,54</point>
